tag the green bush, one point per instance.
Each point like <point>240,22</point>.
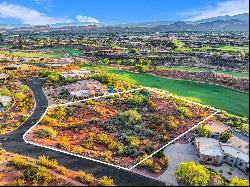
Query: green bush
<point>47,132</point>
<point>190,173</point>
<point>44,161</point>
<point>236,181</point>
<point>202,131</point>
<point>183,112</point>
<point>225,136</point>
<point>171,123</point>
<point>106,181</point>
<point>19,162</point>
<point>131,117</point>
<point>85,178</point>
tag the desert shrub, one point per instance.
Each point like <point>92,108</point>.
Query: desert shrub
<point>171,123</point>
<point>225,136</point>
<point>62,170</point>
<point>113,145</point>
<point>19,162</point>
<point>63,143</point>
<point>236,181</point>
<point>30,172</point>
<point>149,149</point>
<point>164,161</point>
<point>147,132</point>
<point>145,93</point>
<point>20,96</point>
<point>131,117</point>
<point>90,102</point>
<point>85,178</point>
<point>183,112</point>
<point>44,161</point>
<point>19,182</point>
<point>108,126</point>
<point>103,138</point>
<point>202,131</point>
<point>88,143</point>
<point>43,177</point>
<point>152,106</point>
<point>245,128</point>
<point>135,101</point>
<point>47,132</point>
<point>156,168</point>
<point>130,150</point>
<point>107,155</point>
<point>59,113</point>
<point>49,120</point>
<point>190,173</point>
<point>106,181</point>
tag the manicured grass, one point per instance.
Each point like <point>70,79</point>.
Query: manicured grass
<point>234,48</point>
<point>66,50</point>
<point>181,47</point>
<point>194,69</point>
<point>232,101</point>
<point>31,54</point>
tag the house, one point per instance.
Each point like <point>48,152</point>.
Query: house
<point>213,152</point>
<point>5,101</point>
<point>209,151</point>
<point>235,157</point>
<point>75,73</point>
<point>85,88</point>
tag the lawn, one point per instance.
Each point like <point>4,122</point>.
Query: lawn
<point>232,101</point>
<point>194,69</point>
<point>32,55</point>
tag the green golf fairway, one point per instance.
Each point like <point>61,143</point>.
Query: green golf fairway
<point>232,101</point>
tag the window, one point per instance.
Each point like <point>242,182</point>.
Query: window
<point>209,159</point>
<point>240,164</point>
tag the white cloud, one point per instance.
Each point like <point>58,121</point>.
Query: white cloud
<point>87,19</point>
<point>27,15</point>
<point>222,8</point>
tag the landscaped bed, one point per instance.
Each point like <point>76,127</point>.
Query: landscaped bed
<point>121,129</point>
<point>18,108</point>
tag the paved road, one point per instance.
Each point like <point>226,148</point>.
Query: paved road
<point>13,142</point>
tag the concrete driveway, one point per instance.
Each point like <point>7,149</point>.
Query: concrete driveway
<point>177,153</point>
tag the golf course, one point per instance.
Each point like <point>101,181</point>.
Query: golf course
<point>196,69</point>
<point>226,99</point>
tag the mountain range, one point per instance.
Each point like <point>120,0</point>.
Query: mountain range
<point>238,22</point>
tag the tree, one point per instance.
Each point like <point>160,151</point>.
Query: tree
<point>190,173</point>
<point>236,181</point>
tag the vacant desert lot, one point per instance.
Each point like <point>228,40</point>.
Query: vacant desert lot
<point>119,129</point>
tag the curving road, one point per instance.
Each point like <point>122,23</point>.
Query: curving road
<point>13,142</point>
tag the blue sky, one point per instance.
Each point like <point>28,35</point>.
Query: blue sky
<point>115,11</point>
